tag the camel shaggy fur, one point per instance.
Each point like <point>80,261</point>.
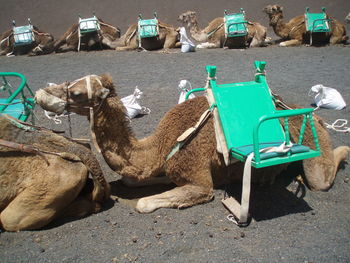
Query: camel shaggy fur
<point>213,36</point>
<point>43,44</point>
<point>37,187</point>
<point>197,167</point>
<point>102,39</point>
<point>168,38</point>
<point>294,32</point>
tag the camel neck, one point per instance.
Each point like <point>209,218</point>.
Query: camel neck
<point>112,129</point>
<point>193,27</point>
<point>278,25</point>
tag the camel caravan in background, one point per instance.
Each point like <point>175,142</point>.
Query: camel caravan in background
<point>44,176</point>
<point>295,32</point>
<point>28,39</point>
<point>148,34</point>
<point>197,167</point>
<point>217,35</point>
<point>230,31</point>
<point>89,33</point>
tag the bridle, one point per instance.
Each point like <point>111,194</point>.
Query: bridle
<point>91,105</point>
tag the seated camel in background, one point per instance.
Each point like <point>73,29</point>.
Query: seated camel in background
<point>45,178</point>
<point>42,44</point>
<point>102,39</point>
<point>294,32</point>
<point>168,38</point>
<point>197,167</point>
<point>213,36</point>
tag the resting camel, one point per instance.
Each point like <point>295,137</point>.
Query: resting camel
<point>104,39</point>
<point>213,36</point>
<point>44,176</point>
<point>196,168</point>
<point>43,44</point>
<point>294,32</point>
<point>168,38</point>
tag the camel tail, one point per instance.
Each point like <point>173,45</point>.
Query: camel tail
<point>340,153</point>
<point>101,189</point>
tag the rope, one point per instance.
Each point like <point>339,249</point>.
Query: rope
<point>339,127</point>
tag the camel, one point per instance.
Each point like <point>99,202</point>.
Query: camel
<point>43,44</point>
<point>294,32</point>
<point>213,36</point>
<point>103,39</point>
<point>44,176</point>
<point>196,168</point>
<point>347,18</point>
<point>168,38</point>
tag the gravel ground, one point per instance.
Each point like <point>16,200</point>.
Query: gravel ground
<point>286,227</point>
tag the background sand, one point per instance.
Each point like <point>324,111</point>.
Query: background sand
<point>56,16</point>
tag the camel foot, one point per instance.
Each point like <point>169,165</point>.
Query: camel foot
<point>179,197</point>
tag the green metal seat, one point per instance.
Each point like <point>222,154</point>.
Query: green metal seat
<point>23,35</point>
<point>89,25</point>
<point>250,121</point>
<point>19,102</point>
<point>252,131</point>
<point>148,27</point>
<point>316,23</point>
<point>235,24</point>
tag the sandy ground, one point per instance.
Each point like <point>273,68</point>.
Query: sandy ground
<point>286,227</point>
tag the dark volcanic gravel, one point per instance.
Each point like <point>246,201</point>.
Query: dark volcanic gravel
<point>285,228</point>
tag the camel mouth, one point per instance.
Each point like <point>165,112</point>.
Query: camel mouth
<point>50,102</point>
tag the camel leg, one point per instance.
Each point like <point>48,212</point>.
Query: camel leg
<point>127,48</point>
<point>182,196</point>
<point>66,48</point>
<point>320,172</point>
<point>336,40</point>
<point>146,182</point>
<point>290,43</point>
<point>44,198</point>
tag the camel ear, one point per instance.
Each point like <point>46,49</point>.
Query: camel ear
<point>107,81</point>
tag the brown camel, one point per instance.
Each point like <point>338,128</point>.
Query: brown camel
<point>168,38</point>
<point>42,44</point>
<point>196,168</point>
<point>101,39</point>
<point>46,178</point>
<point>213,36</point>
<point>294,32</point>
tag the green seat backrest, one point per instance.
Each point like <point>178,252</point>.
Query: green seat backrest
<point>19,102</point>
<point>87,25</point>
<point>235,24</point>
<point>23,35</point>
<point>148,28</point>
<point>316,22</point>
<point>240,106</point>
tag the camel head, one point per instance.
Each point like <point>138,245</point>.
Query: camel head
<point>187,18</point>
<point>273,10</point>
<point>77,96</point>
<point>275,13</point>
